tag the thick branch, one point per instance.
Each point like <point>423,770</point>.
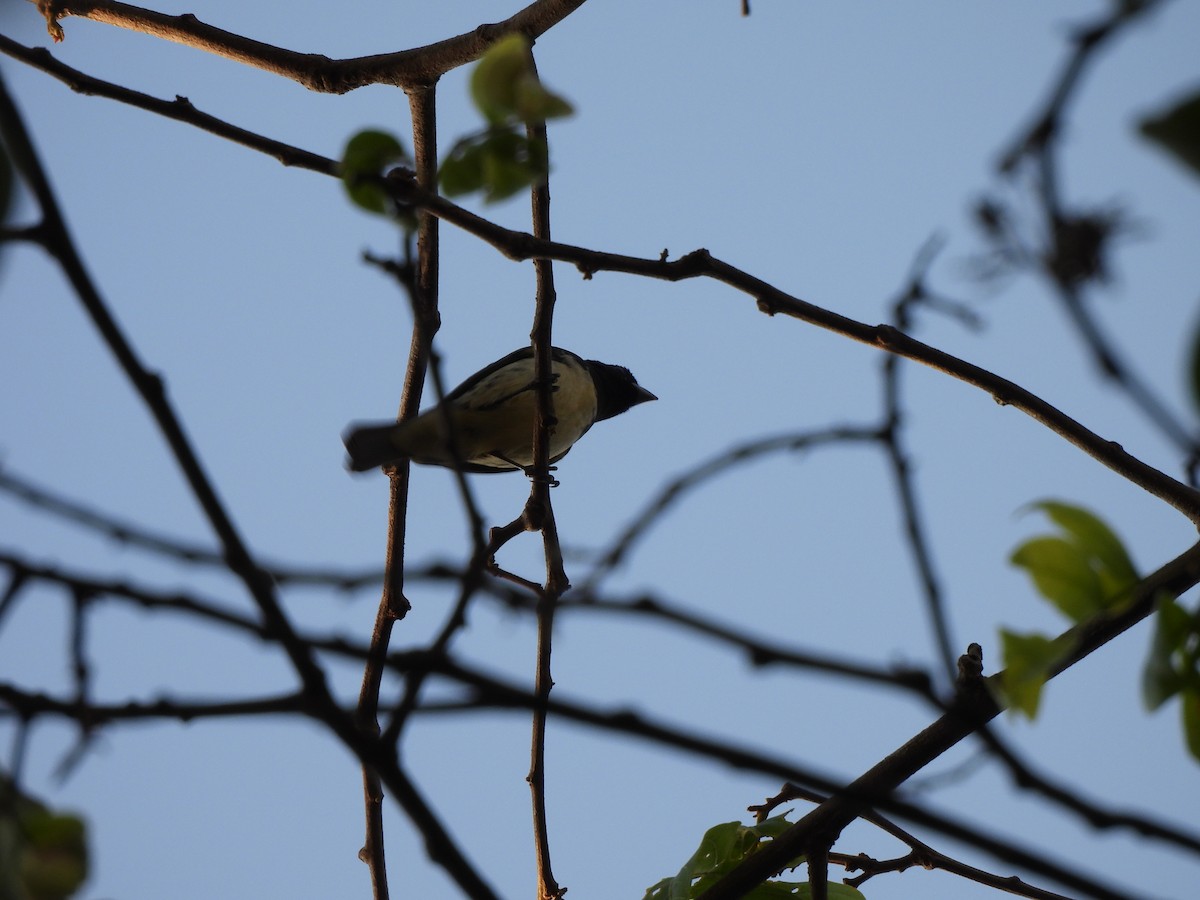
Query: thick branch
<point>972,710</point>
<point>407,69</point>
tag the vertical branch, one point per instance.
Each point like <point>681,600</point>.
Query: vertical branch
<point>539,505</point>
<point>80,670</point>
<point>393,605</point>
<point>897,454</point>
<point>917,539</point>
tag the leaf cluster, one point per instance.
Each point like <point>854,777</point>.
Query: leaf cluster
<point>43,852</point>
<point>499,160</point>
<point>726,846</point>
<point>504,158</point>
<point>1085,571</point>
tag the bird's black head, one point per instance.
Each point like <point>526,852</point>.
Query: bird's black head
<point>616,389</point>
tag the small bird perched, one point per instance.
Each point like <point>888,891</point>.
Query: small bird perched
<point>491,416</point>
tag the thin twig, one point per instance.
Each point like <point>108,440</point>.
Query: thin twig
<point>1025,777</point>
<point>152,390</point>
<point>150,387</point>
<point>679,485</point>
<point>127,532</point>
<point>760,652</point>
<point>180,109</point>
<point>495,693</point>
<point>1075,242</point>
<point>921,853</point>
<point>469,579</point>
<point>541,511</point>
<point>898,457</point>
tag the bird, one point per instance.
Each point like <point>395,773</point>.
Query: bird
<point>491,416</point>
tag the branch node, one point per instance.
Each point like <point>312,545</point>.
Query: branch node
<point>970,666</point>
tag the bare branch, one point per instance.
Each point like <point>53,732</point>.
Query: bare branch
<point>126,532</point>
<point>973,708</point>
<point>921,854</point>
<point>179,109</point>
<point>773,301</point>
<point>408,69</point>
<point>679,485</point>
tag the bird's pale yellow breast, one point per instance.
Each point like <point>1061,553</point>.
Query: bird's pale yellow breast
<point>493,420</point>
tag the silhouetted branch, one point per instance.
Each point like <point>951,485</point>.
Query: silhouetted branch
<point>393,604</point>
<point>759,652</point>
<point>773,301</point>
<point>973,708</point>
<point>494,693</point>
<point>180,109</point>
<point>899,458</point>
<point>679,485</point>
<point>1088,40</point>
<point>1025,777</point>
<point>151,388</point>
<point>31,704</point>
<point>920,854</point>
<point>126,532</point>
<point>1071,247</point>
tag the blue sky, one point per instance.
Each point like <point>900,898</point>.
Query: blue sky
<point>815,146</point>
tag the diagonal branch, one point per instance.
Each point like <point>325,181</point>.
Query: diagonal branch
<point>126,532</point>
<point>973,708</point>
<point>152,390</point>
<point>681,484</point>
<point>150,387</point>
<point>496,693</point>
<point>1074,242</point>
<point>180,109</point>
<point>921,854</point>
<point>773,301</point>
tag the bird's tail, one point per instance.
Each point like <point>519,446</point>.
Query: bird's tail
<point>370,445</point>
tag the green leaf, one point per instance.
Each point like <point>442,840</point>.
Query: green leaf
<point>1094,537</point>
<point>1028,661</point>
<point>364,160</point>
<point>500,162</point>
<point>1084,571</point>
<point>721,849</point>
<point>1177,130</point>
<point>1173,666</point>
<point>1194,368</point>
<point>1191,720</point>
<point>55,858</point>
<point>494,80</point>
<point>1062,574</point>
<point>505,85</point>
<point>6,184</point>
<point>43,853</point>
<point>462,171</point>
<point>1161,680</point>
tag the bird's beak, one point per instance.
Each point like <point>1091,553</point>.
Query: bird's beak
<point>642,396</point>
